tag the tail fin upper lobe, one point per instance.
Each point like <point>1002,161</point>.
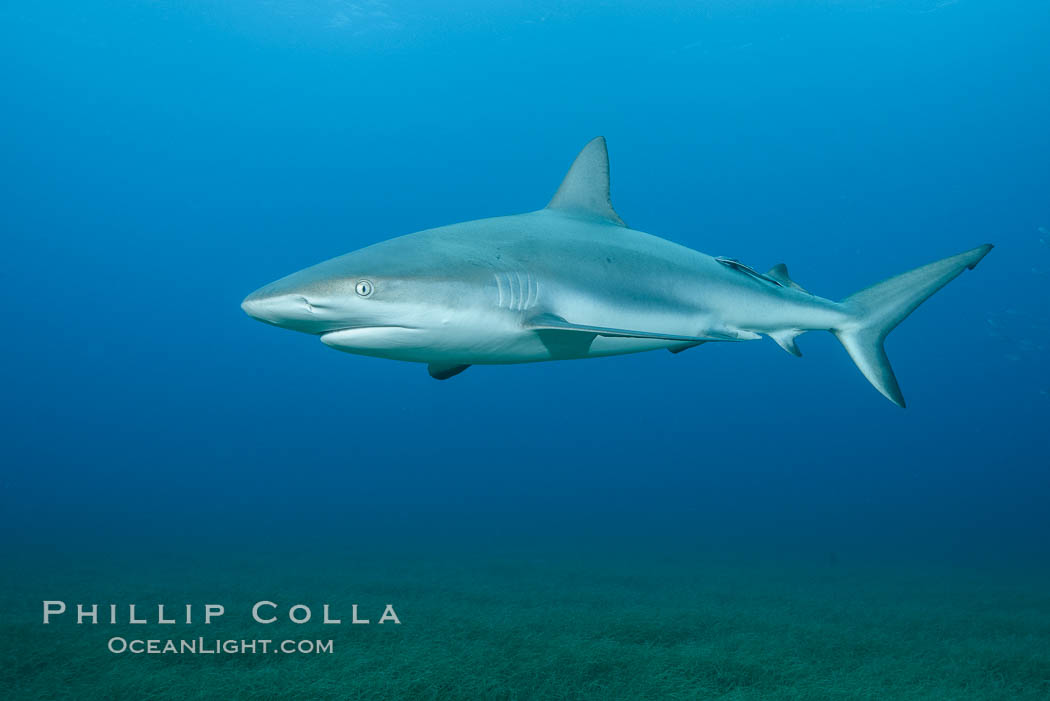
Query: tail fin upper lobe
<point>877,310</point>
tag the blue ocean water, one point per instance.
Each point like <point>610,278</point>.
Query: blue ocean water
<point>163,159</point>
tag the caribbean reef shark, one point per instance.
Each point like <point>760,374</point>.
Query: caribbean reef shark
<point>573,281</point>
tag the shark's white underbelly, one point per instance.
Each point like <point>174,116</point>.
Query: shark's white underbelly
<point>490,345</point>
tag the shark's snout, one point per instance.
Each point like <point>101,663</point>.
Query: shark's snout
<point>264,307</point>
<point>296,309</point>
<point>281,309</point>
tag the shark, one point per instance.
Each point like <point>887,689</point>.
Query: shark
<point>573,281</point>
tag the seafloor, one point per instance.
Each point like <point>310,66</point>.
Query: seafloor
<point>523,624</point>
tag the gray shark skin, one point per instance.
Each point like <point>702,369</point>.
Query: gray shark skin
<point>573,281</point>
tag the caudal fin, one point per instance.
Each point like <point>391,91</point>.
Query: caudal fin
<point>877,310</point>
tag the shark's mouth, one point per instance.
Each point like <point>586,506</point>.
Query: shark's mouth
<point>362,327</point>
<point>357,338</point>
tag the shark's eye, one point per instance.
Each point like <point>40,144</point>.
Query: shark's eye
<point>363,288</point>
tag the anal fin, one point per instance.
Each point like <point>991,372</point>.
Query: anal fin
<point>786,340</point>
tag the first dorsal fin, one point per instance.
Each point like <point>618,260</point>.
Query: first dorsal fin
<point>779,272</point>
<point>585,189</point>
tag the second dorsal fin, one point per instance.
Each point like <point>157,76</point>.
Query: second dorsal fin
<point>585,189</point>
<point>779,272</point>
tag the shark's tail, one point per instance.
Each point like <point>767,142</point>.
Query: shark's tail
<point>877,310</point>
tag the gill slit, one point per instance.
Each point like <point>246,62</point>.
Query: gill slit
<point>516,290</point>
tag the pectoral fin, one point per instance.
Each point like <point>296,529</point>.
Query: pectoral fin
<point>685,347</point>
<point>552,322</point>
<point>443,372</point>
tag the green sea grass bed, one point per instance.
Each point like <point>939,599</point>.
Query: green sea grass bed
<point>525,624</point>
